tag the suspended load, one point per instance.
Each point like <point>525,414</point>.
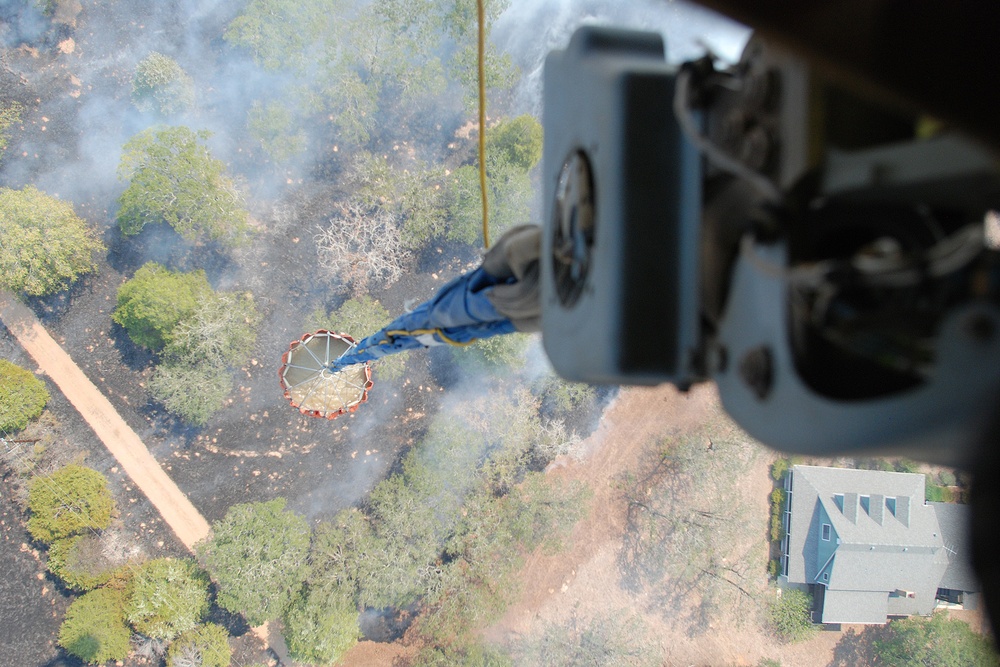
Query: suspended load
<point>327,374</point>
<point>314,382</point>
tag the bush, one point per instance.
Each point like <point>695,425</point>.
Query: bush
<point>203,646</point>
<point>937,641</point>
<point>517,142</point>
<point>790,615</point>
<point>10,115</point>
<point>80,562</point>
<point>44,245</point>
<point>779,469</point>
<point>192,391</point>
<point>947,478</point>
<point>70,501</point>
<point>166,597</point>
<point>320,627</point>
<point>173,178</point>
<point>161,85</point>
<point>778,499</point>
<point>257,556</point>
<point>155,300</point>
<point>94,629</point>
<point>22,397</point>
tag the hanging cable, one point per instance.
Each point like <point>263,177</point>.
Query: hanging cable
<point>482,122</point>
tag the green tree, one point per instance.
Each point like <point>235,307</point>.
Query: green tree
<point>94,629</point>
<point>497,352</point>
<point>161,85</point>
<point>71,500</point>
<point>166,597</point>
<point>790,615</point>
<point>80,562</point>
<point>155,300</point>
<point>44,245</point>
<point>22,396</point>
<point>937,641</point>
<point>194,391</point>
<point>274,126</point>
<point>509,193</point>
<point>257,556</point>
<point>321,625</point>
<point>361,317</point>
<point>516,142</point>
<point>205,645</point>
<point>173,178</point>
<point>10,115</point>
<point>220,329</point>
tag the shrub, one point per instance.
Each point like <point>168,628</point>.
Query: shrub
<point>947,478</point>
<point>71,500</point>
<point>44,245</point>
<point>80,562</point>
<point>173,178</point>
<point>166,597</point>
<point>22,396</point>
<point>320,627</point>
<point>203,646</point>
<point>94,629</point>
<point>257,556</point>
<point>161,85</point>
<point>790,615</point>
<point>155,300</point>
<point>779,469</point>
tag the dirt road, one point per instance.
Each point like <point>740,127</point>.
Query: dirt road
<point>123,443</point>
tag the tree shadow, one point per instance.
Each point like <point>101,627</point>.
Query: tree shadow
<point>855,648</point>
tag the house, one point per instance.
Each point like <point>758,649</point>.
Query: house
<point>869,546</point>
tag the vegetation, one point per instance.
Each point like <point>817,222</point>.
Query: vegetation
<point>201,333</point>
<point>22,397</point>
<point>205,645</point>
<point>938,642</point>
<point>44,246</point>
<point>607,640</point>
<point>155,300</point>
<point>10,115</point>
<point>790,615</point>
<point>450,530</point>
<point>273,126</point>
<point>94,629</point>
<point>81,562</point>
<point>778,500</point>
<point>173,178</point>
<point>683,513</point>
<point>321,625</point>
<point>780,468</point>
<point>166,597</point>
<point>362,246</point>
<point>496,353</point>
<point>70,501</point>
<point>360,317</point>
<point>257,556</point>
<point>161,85</point>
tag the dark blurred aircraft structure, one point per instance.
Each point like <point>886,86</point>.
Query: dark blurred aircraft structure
<point>807,228</point>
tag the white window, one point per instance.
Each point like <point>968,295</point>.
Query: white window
<point>826,532</point>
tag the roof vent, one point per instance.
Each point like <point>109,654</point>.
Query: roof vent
<point>903,510</point>
<point>851,507</point>
<point>876,510</point>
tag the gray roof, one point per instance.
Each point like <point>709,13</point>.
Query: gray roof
<point>954,521</point>
<point>887,549</point>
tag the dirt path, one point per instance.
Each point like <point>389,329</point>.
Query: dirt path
<point>123,443</point>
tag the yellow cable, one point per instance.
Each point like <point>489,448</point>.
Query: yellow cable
<point>482,123</point>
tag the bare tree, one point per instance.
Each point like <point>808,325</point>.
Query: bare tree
<point>361,246</point>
